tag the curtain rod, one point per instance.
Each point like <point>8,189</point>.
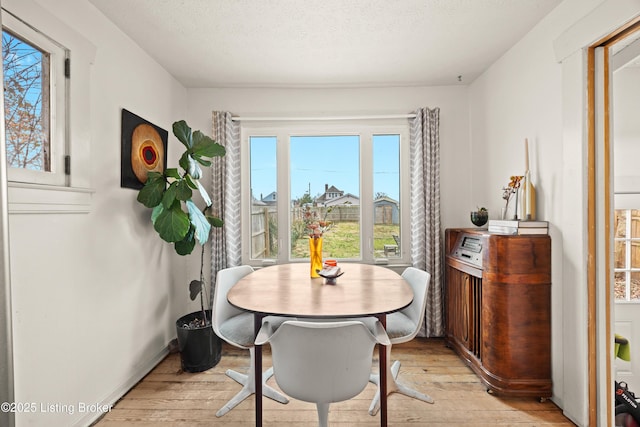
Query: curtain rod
<point>319,118</point>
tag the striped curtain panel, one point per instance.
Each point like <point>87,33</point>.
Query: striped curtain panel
<point>426,241</point>
<point>225,196</point>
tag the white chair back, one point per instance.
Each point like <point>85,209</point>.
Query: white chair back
<point>322,362</point>
<point>419,282</point>
<point>222,310</point>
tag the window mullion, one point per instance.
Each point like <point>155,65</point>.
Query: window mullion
<point>366,196</point>
<point>284,196</point>
<point>627,256</point>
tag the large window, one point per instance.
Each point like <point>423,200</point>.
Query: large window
<point>627,255</point>
<point>34,103</point>
<point>345,177</point>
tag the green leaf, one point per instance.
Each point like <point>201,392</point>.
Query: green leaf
<point>170,195</point>
<point>151,194</point>
<point>203,162</point>
<point>172,173</point>
<point>182,131</point>
<point>172,224</point>
<point>191,182</point>
<point>183,192</point>
<point>199,221</point>
<point>194,169</point>
<point>186,245</point>
<point>215,222</point>
<point>204,146</point>
<point>156,213</point>
<point>194,289</point>
<point>204,194</point>
<point>184,161</point>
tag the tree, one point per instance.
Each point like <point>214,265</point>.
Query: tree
<point>25,89</point>
<point>306,198</point>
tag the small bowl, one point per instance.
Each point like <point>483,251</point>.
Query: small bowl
<point>479,218</point>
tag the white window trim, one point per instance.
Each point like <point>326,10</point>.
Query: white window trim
<point>283,130</point>
<point>58,105</point>
<point>75,195</point>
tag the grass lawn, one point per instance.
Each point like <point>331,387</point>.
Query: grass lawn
<point>343,241</point>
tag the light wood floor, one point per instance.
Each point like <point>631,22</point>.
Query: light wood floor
<point>170,397</point>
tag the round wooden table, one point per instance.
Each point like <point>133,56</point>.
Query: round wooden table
<point>288,290</point>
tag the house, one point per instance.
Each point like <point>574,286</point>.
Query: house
<point>90,293</point>
<point>329,194</point>
<point>270,199</point>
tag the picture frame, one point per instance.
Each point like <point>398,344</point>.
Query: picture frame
<point>144,150</point>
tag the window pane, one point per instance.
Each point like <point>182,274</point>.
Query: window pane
<point>386,196</point>
<point>635,223</point>
<point>26,100</point>
<point>620,254</point>
<point>635,253</point>
<point>619,286</point>
<point>620,223</point>
<point>635,285</point>
<point>264,211</point>
<point>325,186</point>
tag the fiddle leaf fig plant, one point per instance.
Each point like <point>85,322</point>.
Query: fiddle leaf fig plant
<point>175,216</point>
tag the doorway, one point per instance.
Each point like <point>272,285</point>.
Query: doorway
<point>611,193</point>
<point>625,131</point>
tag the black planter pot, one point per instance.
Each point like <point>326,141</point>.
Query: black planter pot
<point>200,348</point>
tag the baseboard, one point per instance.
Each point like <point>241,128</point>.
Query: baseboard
<point>113,397</point>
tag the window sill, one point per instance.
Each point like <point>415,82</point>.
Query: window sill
<point>37,199</point>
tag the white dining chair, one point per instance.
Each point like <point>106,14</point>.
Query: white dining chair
<point>235,326</point>
<point>322,362</point>
<point>403,326</point>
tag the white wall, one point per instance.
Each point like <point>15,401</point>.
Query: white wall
<point>93,294</point>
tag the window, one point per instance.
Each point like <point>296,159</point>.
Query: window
<point>34,103</point>
<point>347,175</point>
<point>627,255</point>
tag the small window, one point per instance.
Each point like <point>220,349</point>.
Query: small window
<point>34,103</point>
<point>627,255</point>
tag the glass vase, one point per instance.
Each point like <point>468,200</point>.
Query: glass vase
<point>315,255</point>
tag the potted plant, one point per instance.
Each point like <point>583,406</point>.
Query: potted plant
<point>178,220</point>
<point>480,216</point>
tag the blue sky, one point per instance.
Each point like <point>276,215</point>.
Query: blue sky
<point>319,160</point>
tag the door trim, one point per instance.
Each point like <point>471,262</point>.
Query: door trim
<point>600,156</point>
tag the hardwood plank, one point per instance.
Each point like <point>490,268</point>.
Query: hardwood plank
<point>169,397</point>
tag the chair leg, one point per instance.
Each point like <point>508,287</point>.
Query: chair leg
<point>323,414</point>
<point>393,385</point>
<point>249,387</point>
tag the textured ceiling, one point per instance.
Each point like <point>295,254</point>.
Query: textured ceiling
<point>325,43</point>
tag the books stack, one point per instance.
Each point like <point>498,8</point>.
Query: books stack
<point>509,226</point>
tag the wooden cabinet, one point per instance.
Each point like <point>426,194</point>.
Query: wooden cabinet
<point>498,311</point>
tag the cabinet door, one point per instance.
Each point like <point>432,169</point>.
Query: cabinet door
<point>458,306</point>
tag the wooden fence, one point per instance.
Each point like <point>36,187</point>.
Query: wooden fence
<point>263,244</point>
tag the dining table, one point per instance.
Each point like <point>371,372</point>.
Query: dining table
<point>362,290</point>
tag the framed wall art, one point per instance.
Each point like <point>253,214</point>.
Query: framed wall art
<point>144,150</point>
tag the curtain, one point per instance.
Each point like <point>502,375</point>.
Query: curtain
<point>225,196</point>
<point>426,241</point>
